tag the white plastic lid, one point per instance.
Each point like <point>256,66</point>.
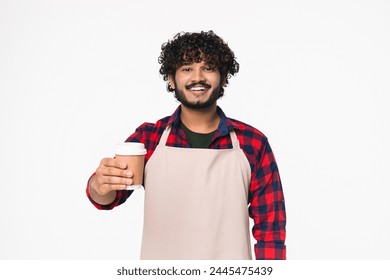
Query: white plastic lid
<point>133,187</point>
<point>130,149</point>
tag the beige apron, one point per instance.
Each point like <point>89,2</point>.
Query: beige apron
<point>196,203</point>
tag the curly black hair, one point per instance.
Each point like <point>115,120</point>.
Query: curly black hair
<point>186,48</point>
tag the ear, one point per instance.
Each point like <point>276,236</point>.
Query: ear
<point>171,81</point>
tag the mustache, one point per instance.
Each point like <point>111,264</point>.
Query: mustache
<point>198,84</point>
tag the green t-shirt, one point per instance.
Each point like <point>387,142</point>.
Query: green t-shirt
<point>198,140</point>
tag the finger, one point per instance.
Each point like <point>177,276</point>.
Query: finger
<point>113,171</point>
<point>113,162</point>
<point>109,187</point>
<point>112,180</point>
<point>102,180</point>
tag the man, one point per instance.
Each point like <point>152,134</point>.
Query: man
<point>202,169</point>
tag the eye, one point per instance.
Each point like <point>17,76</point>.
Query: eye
<point>208,68</point>
<point>186,69</point>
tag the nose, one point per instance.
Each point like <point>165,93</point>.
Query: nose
<point>197,75</point>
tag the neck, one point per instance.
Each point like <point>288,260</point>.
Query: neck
<point>200,120</point>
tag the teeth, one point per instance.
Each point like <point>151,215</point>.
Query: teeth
<point>197,88</point>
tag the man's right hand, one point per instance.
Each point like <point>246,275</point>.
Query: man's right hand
<point>110,176</point>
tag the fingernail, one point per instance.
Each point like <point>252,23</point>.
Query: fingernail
<point>129,174</point>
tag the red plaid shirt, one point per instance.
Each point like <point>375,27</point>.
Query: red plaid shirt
<point>266,200</point>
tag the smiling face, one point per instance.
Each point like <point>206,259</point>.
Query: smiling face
<point>196,85</point>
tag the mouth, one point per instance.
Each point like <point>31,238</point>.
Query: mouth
<point>198,87</point>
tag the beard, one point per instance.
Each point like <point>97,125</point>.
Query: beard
<point>215,95</point>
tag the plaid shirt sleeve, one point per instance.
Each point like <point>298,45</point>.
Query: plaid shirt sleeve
<point>267,208</point>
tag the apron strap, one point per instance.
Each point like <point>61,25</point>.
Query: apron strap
<point>235,142</point>
<point>164,136</point>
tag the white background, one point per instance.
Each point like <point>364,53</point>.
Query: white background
<point>76,77</point>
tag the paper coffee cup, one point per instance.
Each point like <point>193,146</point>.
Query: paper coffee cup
<point>133,154</point>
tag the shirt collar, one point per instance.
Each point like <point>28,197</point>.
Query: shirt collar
<point>225,125</point>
